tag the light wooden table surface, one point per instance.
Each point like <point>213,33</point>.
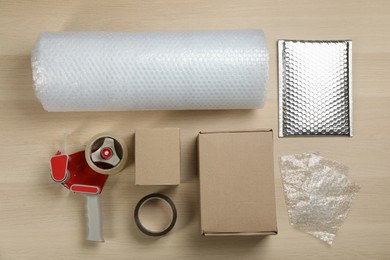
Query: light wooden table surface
<point>41,220</point>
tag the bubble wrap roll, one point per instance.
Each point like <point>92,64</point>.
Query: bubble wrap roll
<point>102,71</point>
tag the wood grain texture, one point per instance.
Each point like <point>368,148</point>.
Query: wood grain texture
<point>39,220</point>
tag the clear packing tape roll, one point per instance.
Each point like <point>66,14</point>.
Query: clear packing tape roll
<point>103,71</point>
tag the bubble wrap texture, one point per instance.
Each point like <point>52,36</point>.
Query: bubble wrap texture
<point>103,71</point>
<point>318,194</point>
<point>315,94</point>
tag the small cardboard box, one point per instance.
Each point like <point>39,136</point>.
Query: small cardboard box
<point>157,156</point>
<point>237,193</point>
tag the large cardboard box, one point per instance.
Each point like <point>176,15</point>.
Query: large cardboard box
<point>157,156</point>
<point>237,193</point>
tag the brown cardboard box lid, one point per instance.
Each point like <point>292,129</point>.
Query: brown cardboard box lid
<point>237,183</point>
<point>157,156</point>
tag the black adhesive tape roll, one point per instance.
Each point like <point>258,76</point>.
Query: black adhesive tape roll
<point>143,201</point>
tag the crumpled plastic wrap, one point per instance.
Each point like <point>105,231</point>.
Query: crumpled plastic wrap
<point>318,194</point>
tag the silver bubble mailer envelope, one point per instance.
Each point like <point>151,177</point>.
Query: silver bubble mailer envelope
<point>315,88</point>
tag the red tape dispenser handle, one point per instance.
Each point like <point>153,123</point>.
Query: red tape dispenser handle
<point>94,213</point>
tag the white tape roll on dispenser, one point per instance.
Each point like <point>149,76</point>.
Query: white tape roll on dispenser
<point>116,71</point>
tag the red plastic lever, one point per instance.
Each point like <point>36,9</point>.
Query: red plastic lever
<point>59,167</point>
<point>85,189</point>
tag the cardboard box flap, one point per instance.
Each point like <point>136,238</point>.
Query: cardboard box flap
<point>262,233</point>
<point>237,131</point>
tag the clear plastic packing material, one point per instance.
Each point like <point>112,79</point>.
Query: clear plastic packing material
<point>318,194</point>
<point>315,88</point>
<point>113,71</point>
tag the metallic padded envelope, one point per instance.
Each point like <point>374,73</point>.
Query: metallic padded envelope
<point>315,88</point>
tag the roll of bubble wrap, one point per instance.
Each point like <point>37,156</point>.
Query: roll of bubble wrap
<point>102,71</point>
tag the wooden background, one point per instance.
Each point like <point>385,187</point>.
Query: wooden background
<point>41,220</point>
